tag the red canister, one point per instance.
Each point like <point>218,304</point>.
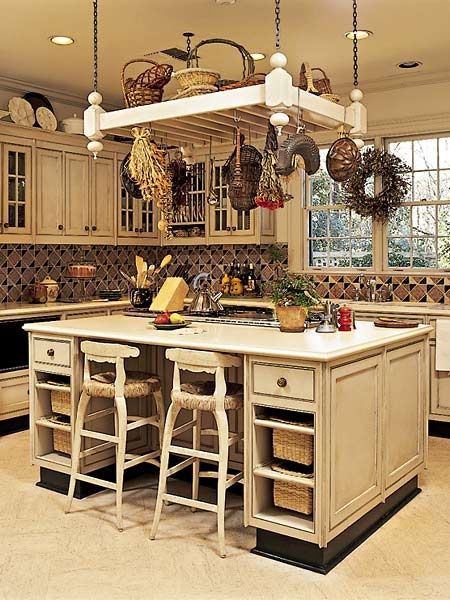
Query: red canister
<point>345,318</point>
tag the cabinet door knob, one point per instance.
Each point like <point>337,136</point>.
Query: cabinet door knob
<point>233,228</point>
<point>86,227</point>
<point>94,227</point>
<point>136,230</point>
<point>228,228</point>
<point>6,225</point>
<point>60,227</point>
<point>281,382</point>
<point>50,352</point>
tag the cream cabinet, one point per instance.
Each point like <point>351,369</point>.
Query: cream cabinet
<point>15,192</point>
<point>440,387</point>
<point>74,197</point>
<point>13,394</point>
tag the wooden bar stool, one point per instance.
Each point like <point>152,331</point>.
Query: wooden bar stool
<point>118,386</point>
<point>213,396</point>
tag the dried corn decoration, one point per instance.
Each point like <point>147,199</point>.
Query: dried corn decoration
<point>270,192</point>
<point>148,168</point>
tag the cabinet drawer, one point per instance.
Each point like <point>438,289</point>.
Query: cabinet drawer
<point>14,395</point>
<point>52,352</point>
<point>284,381</point>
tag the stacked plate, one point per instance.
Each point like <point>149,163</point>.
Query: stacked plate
<point>110,294</point>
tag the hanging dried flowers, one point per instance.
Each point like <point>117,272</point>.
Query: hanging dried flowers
<point>148,168</point>
<point>270,192</point>
<point>383,205</point>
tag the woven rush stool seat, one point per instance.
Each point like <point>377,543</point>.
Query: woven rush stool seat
<point>200,396</point>
<point>217,397</point>
<point>117,386</point>
<point>137,384</point>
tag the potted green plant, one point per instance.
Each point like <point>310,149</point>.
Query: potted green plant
<point>292,296</point>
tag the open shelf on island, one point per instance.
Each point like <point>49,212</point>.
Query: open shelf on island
<point>56,457</point>
<point>269,473</point>
<point>285,517</point>
<point>47,422</point>
<point>273,424</point>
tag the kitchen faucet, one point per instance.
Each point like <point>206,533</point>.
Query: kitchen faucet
<point>384,294</point>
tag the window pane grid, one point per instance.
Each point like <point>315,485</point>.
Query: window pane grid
<point>418,236</point>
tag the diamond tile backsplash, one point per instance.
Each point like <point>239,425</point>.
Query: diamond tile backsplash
<point>21,265</point>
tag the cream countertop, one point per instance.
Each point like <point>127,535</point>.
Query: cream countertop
<point>233,338</point>
<point>15,309</point>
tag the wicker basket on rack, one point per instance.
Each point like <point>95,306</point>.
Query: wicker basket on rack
<point>148,87</point>
<point>321,86</point>
<point>62,441</point>
<point>242,172</point>
<point>290,495</point>
<point>290,445</point>
<point>60,401</point>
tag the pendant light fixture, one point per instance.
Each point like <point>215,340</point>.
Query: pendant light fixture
<point>95,98</point>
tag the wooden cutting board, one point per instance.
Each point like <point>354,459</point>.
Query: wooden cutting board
<point>394,323</point>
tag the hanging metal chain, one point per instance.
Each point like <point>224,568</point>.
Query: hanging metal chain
<point>95,7</point>
<point>188,35</point>
<point>277,24</point>
<point>355,44</point>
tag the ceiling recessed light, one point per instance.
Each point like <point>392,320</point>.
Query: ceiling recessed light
<point>257,55</point>
<point>62,40</point>
<point>361,34</point>
<point>410,64</point>
<point>225,1</point>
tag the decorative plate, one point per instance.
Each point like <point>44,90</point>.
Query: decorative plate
<point>46,119</point>
<point>36,100</point>
<point>169,326</point>
<point>21,112</point>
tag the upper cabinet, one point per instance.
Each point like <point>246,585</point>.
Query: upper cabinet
<point>103,200</point>
<point>16,191</point>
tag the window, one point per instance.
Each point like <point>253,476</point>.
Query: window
<point>419,234</point>
<point>337,237</point>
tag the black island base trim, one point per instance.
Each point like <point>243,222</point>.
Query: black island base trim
<point>321,560</point>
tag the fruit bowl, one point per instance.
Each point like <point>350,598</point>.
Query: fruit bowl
<point>168,326</point>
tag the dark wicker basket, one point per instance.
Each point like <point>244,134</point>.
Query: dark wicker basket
<point>148,87</point>
<point>242,194</point>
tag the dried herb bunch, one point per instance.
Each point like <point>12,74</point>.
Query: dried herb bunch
<point>295,290</point>
<point>383,205</point>
<point>270,192</point>
<point>148,168</point>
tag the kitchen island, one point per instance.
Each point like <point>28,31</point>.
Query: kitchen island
<point>361,397</point>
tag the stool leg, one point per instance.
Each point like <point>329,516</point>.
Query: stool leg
<point>79,423</point>
<point>120,456</point>
<point>222,428</point>
<point>172,415</point>
<point>196,437</point>
<point>159,401</point>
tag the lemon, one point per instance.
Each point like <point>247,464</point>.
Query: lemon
<point>176,319</point>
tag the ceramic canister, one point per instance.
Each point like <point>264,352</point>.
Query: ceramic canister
<point>52,289</point>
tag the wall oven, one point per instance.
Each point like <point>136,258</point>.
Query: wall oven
<point>14,340</point>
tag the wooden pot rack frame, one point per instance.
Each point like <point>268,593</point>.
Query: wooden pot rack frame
<point>194,120</point>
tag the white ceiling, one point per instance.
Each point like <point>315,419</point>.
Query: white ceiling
<point>312,30</point>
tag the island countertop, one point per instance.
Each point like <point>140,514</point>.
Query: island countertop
<point>240,339</point>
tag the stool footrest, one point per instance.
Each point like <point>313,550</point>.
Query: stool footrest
<point>95,449</point>
<point>190,502</point>
<point>195,453</point>
<point>182,428</point>
<point>231,478</point>
<point>180,466</point>
<point>137,459</point>
<point>96,481</point>
<point>96,435</point>
<point>99,414</point>
<point>141,421</point>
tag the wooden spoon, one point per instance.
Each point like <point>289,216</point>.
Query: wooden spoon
<point>165,261</point>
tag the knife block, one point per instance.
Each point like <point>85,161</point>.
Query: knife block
<point>170,297</point>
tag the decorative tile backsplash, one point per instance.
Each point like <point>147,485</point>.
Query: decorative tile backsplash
<point>21,265</point>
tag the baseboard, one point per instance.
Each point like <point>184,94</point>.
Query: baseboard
<point>439,429</point>
<point>14,425</point>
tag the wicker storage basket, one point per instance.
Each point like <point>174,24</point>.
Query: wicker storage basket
<point>62,441</point>
<point>321,86</point>
<point>293,496</point>
<point>242,196</point>
<point>290,445</point>
<point>146,88</point>
<point>60,401</point>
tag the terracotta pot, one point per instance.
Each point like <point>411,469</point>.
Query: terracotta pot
<point>292,318</point>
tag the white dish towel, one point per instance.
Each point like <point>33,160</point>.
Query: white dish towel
<point>443,345</point>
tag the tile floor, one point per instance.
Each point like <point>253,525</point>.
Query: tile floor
<point>47,555</point>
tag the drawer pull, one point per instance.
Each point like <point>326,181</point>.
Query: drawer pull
<point>50,352</point>
<point>281,382</point>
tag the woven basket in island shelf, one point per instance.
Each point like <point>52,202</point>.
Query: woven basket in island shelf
<point>148,87</point>
<point>295,446</point>
<point>320,86</point>
<point>291,495</point>
<point>60,402</point>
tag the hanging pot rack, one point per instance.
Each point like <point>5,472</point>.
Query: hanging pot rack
<point>196,119</point>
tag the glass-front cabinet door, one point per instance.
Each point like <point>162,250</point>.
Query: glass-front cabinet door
<point>16,189</point>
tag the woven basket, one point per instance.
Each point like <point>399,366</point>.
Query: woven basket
<point>293,496</point>
<point>195,76</point>
<point>290,445</point>
<point>62,441</point>
<point>321,86</point>
<point>242,197</point>
<point>148,87</point>
<point>60,401</point>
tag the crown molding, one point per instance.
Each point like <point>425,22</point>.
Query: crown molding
<point>394,82</point>
<point>19,87</point>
